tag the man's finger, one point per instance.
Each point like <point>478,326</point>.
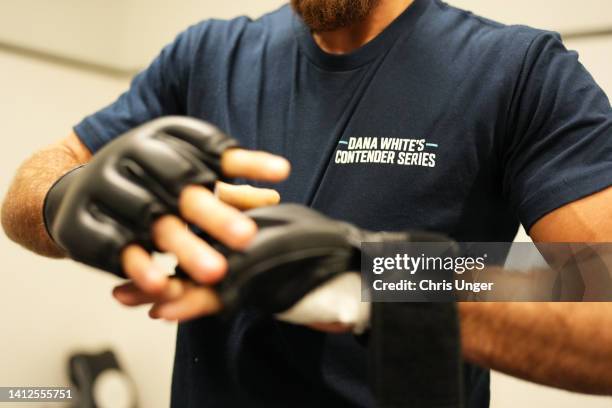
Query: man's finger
<point>138,266</point>
<point>225,223</point>
<point>195,302</point>
<point>245,197</point>
<point>254,165</point>
<point>130,295</point>
<point>198,259</point>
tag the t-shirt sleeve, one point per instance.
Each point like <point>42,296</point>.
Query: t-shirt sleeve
<point>559,146</point>
<point>159,90</point>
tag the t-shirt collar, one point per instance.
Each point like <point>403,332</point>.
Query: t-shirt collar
<point>363,55</point>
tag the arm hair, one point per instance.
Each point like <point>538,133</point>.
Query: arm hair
<point>22,209</point>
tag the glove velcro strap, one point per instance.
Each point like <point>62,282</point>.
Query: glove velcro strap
<point>54,197</point>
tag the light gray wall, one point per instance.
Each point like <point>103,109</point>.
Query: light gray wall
<point>126,34</point>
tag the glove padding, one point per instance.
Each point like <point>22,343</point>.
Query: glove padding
<point>113,201</point>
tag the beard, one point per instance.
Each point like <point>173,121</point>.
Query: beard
<point>329,15</point>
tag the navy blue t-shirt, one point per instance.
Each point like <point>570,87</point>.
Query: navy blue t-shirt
<point>446,122</point>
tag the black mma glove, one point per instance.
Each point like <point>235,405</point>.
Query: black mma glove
<point>414,348</point>
<point>96,210</point>
<point>296,250</point>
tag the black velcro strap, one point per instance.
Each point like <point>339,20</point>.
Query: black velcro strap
<point>54,198</point>
<point>415,355</point>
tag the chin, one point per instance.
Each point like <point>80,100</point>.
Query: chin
<point>330,15</point>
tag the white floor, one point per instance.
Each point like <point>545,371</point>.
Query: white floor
<point>49,308</point>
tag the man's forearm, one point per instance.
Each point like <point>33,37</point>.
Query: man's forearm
<point>22,209</point>
<point>564,345</point>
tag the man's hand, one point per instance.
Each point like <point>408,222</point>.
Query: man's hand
<point>216,213</point>
<point>175,299</point>
<point>136,195</point>
<point>127,192</point>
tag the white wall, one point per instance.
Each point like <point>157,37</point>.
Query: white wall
<point>559,15</point>
<point>126,34</point>
<point>50,308</point>
<point>123,35</point>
